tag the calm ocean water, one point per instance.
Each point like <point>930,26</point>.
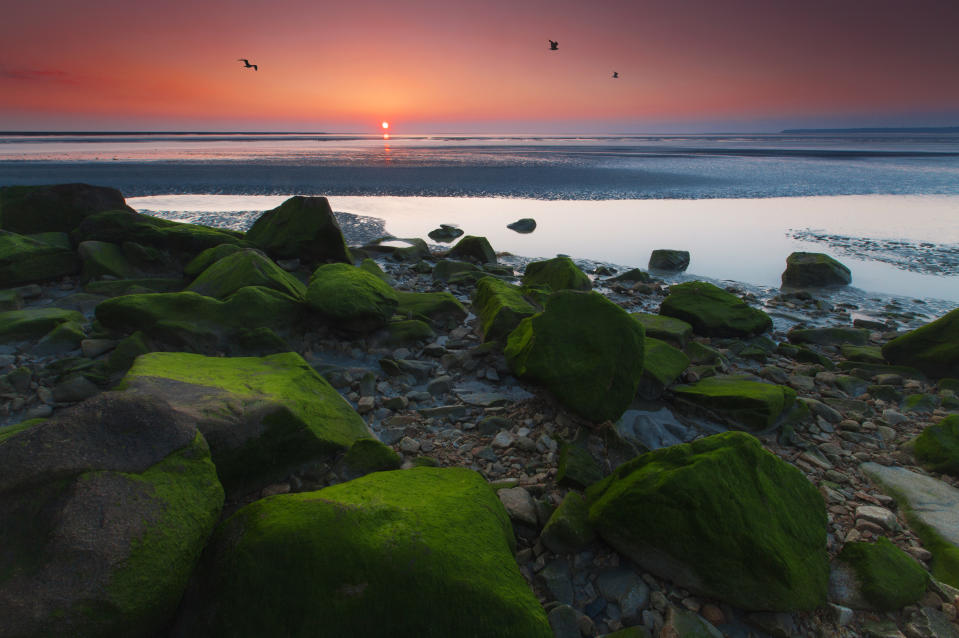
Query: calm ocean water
<point>886,204</point>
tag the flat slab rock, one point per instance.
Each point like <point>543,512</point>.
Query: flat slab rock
<point>935,503</point>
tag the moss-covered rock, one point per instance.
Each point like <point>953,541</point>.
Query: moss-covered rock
<point>937,446</point>
<point>662,365</point>
<point>417,553</point>
<point>408,331</point>
<point>920,403</point>
<point>104,509</point>
<point>61,339</point>
<point>568,530</point>
<point>669,259</point>
<point>633,275</point>
<point>889,579</point>
<point>370,455</point>
<point>473,249</point>
<point>829,336</point>
<point>932,348</point>
<point>28,258</point>
<point>675,331</point>
<point>120,287</point>
<point>805,270</point>
<point>435,307</point>
<point>351,298</point>
<point>862,354</point>
<point>576,466</point>
<point>33,323</point>
<point>54,208</point>
<point>104,258</point>
<point>183,239</point>
<point>127,350</point>
<point>447,269</point>
<point>301,227</point>
<point>242,268</point>
<point>720,516</point>
<point>208,257</point>
<point>713,312</point>
<point>738,401</point>
<point>260,415</point>
<point>585,349</point>
<point>500,307</point>
<point>559,273</point>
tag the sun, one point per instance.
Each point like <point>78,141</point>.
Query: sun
<point>385,125</point>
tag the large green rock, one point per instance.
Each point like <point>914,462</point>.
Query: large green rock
<point>208,257</point>
<point>104,510</point>
<point>584,349</point>
<point>260,415</point>
<point>33,323</point>
<point>720,516</point>
<point>712,311</point>
<point>417,553</point>
<point>559,273</point>
<point>932,348</point>
<point>247,267</point>
<point>351,298</point>
<point>675,331</point>
<point>127,226</point>
<point>663,364</point>
<point>434,307</point>
<point>104,258</point>
<point>937,446</point>
<point>737,401</point>
<point>302,228</point>
<point>475,249</point>
<point>814,270</point>
<point>54,208</point>
<point>888,578</point>
<point>500,307</point>
<point>449,269</point>
<point>28,258</point>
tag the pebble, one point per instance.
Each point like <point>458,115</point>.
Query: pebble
<point>409,445</point>
<point>878,515</point>
<point>502,440</point>
<point>519,505</point>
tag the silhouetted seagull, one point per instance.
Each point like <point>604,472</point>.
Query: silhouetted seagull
<point>247,65</point>
<point>615,74</point>
<point>553,45</point>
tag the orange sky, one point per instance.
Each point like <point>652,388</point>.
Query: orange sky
<point>453,66</point>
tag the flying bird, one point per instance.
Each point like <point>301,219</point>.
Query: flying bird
<point>553,45</point>
<point>247,65</point>
<point>615,74</point>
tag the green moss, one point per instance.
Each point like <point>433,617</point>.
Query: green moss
<point>500,307</point>
<point>738,401</point>
<point>382,555</point>
<point>921,403</point>
<point>9,430</point>
<point>864,354</point>
<point>57,207</point>
<point>937,447</point>
<point>633,275</point>
<point>118,226</point>
<point>208,257</point>
<point>128,349</point>
<point>63,338</point>
<point>351,298</point>
<point>373,268</point>
<point>713,312</point>
<point>814,269</point>
<point>408,331</point>
<point>585,349</point>
<point>559,273</point>
<point>33,323</point>
<point>27,259</point>
<point>475,249</point>
<point>933,348</point>
<point>721,516</point>
<point>303,228</point>
<point>891,579</point>
<point>119,287</point>
<point>430,306</point>
<point>576,466</point>
<point>447,269</point>
<point>245,268</point>
<point>369,455</point>
<point>104,258</point>
<point>663,364</point>
<point>568,530</point>
<point>675,331</point>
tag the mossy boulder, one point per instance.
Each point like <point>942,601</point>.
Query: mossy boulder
<point>104,510</point>
<point>937,446</point>
<point>862,354</point>
<point>445,233</point>
<point>303,228</point>
<point>33,323</point>
<point>576,466</point>
<point>61,339</point>
<point>176,237</point>
<point>104,258</point>
<point>54,208</point>
<point>351,298</point>
<point>417,553</point>
<point>720,516</point>
<point>738,401</point>
<point>120,287</point>
<point>559,273</point>
<point>408,331</point>
<point>675,331</point>
<point>813,270</point>
<point>450,269</point>
<point>473,249</point>
<point>260,415</point>
<point>29,258</point>
<point>208,257</point>
<point>247,267</point>
<point>584,349</point>
<point>633,275</point>
<point>500,307</point>
<point>829,336</point>
<point>568,530</point>
<point>713,312</point>
<point>435,307</point>
<point>662,365</point>
<point>370,455</point>
<point>932,348</point>
<point>669,259</point>
<point>887,577</point>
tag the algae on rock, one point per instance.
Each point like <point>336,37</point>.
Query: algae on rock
<point>500,307</point>
<point>932,348</point>
<point>712,311</point>
<point>739,401</point>
<point>351,298</point>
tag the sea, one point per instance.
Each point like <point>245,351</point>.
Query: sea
<point>885,203</point>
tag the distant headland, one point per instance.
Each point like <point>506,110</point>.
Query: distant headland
<point>907,129</point>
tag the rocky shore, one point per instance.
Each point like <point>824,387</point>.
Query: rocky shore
<point>302,431</point>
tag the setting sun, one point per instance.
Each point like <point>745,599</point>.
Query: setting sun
<point>386,125</point>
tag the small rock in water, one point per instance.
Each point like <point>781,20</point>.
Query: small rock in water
<point>525,225</point>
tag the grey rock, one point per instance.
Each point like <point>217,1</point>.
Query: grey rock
<point>73,389</point>
<point>409,445</point>
<point>93,348</point>
<point>519,505</point>
<point>878,515</point>
<point>564,621</point>
<point>625,588</point>
<point>440,385</point>
<point>525,225</point>
<point>503,440</point>
<point>668,259</point>
<point>557,580</point>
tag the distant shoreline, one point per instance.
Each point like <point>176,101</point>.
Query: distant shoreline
<point>837,131</point>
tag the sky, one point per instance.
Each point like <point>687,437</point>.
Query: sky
<point>435,66</point>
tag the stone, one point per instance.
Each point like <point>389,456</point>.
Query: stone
<point>829,336</point>
<point>668,259</point>
<point>245,267</point>
<point>568,529</point>
<point>448,269</point>
<point>30,258</point>
<point>473,249</point>
<point>738,401</point>
<point>625,588</point>
<point>184,240</point>
<point>34,323</point>
<point>662,366</point>
<point>54,208</point>
<point>713,312</point>
<point>721,517</point>
<point>564,621</point>
<point>73,389</point>
<point>937,446</point>
<point>346,559</point>
<point>674,331</point>
<point>524,225</point>
<point>500,307</point>
<point>557,579</point>
<point>932,348</point>
<point>445,233</point>
<point>680,623</point>
<point>883,577</point>
<point>805,270</point>
<point>408,332</point>
<point>350,298</point>
<point>105,506</point>
<point>559,273</point>
<point>584,349</point>
<point>577,466</point>
<point>430,307</point>
<point>519,505</point>
<point>370,455</point>
<point>301,227</point>
<point>102,258</point>
<point>209,257</point>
